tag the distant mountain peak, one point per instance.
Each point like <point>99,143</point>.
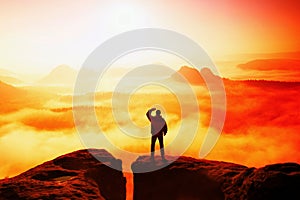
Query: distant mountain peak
<point>60,75</point>
<point>194,76</point>
<point>188,70</point>
<point>63,67</point>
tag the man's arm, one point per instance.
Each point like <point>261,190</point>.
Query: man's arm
<point>148,114</point>
<point>165,129</point>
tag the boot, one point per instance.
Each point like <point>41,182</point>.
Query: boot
<point>162,153</point>
<point>152,157</point>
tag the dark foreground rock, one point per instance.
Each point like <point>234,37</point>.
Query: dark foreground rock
<point>189,178</point>
<point>77,175</point>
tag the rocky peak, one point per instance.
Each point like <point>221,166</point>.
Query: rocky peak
<point>77,175</point>
<point>190,178</point>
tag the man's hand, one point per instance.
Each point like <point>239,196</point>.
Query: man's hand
<point>148,114</point>
<point>152,109</point>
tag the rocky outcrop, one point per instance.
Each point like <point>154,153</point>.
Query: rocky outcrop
<point>189,178</point>
<point>77,175</point>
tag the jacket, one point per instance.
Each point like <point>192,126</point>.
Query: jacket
<point>158,124</point>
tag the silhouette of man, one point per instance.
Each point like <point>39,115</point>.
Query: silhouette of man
<point>159,128</point>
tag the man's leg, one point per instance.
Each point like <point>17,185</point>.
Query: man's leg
<point>153,140</point>
<point>161,144</point>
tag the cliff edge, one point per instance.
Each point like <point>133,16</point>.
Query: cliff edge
<point>77,175</point>
<point>190,178</point>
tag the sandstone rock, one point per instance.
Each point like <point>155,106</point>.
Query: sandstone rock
<point>77,175</point>
<point>189,178</point>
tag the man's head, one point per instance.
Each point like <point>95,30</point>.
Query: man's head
<point>158,112</point>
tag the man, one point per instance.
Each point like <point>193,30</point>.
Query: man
<point>159,128</point>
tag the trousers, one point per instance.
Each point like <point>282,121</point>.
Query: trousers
<point>160,138</point>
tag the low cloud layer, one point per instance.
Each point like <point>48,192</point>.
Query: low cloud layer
<point>281,69</point>
<point>261,127</point>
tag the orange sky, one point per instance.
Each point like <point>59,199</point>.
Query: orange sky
<point>36,35</point>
